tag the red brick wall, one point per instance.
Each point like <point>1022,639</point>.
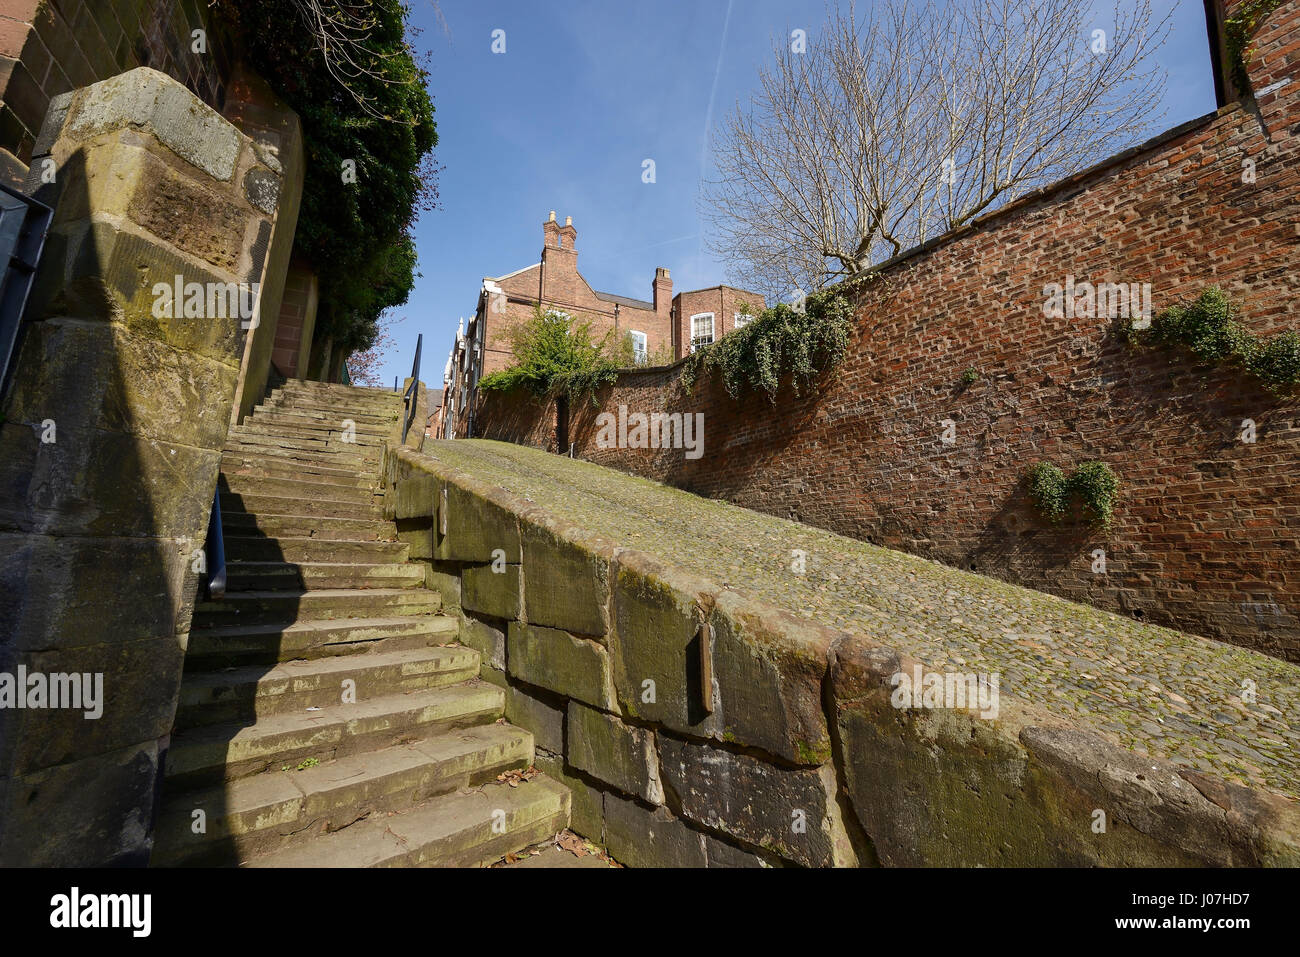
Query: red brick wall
<point>297,307</point>
<point>1206,533</point>
<point>48,47</point>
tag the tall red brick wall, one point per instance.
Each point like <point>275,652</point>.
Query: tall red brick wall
<point>48,47</point>
<point>1207,532</point>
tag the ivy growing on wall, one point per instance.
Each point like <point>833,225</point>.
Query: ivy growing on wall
<point>781,341</point>
<point>1093,485</point>
<point>1239,28</point>
<point>1208,329</point>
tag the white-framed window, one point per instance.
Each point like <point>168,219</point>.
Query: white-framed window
<point>743,319</point>
<point>701,330</point>
<point>640,351</point>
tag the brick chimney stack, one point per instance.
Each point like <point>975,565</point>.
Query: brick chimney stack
<point>663,295</point>
<point>559,260</point>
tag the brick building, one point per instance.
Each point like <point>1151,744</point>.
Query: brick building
<point>664,324</point>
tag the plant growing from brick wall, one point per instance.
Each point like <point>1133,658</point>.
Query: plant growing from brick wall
<point>1208,329</point>
<point>1093,485</point>
<point>555,356</point>
<point>1239,29</point>
<point>781,341</point>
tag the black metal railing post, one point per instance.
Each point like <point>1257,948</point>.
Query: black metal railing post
<point>413,390</point>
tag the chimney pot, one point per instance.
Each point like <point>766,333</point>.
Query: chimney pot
<point>552,219</point>
<point>568,220</point>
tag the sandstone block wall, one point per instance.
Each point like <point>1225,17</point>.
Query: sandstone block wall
<point>698,726</point>
<point>109,452</point>
<point>1204,537</point>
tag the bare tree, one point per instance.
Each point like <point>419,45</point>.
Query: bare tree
<point>894,128</point>
<point>364,367</point>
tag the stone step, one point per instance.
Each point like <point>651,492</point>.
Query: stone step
<point>252,607</point>
<point>338,392</point>
<point>309,576</point>
<point>288,437</point>
<point>256,548</point>
<point>456,830</point>
<point>306,424</point>
<point>271,812</point>
<point>381,409</point>
<point>249,693</point>
<point>240,483</point>
<point>308,526</point>
<point>209,755</point>
<point>332,458</point>
<point>232,503</point>
<point>256,466</point>
<point>384,408</point>
<point>322,412</point>
<point>266,644</point>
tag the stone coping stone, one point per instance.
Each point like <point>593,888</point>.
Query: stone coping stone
<point>1135,687</point>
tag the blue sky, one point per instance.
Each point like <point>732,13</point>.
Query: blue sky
<point>588,89</point>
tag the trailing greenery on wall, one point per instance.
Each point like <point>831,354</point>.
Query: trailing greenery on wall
<point>1239,29</point>
<point>1208,329</point>
<point>360,93</point>
<point>555,356</point>
<point>780,341</point>
<point>1093,485</point>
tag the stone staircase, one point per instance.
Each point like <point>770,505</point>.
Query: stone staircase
<point>288,768</point>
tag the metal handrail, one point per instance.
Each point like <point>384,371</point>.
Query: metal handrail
<point>413,389</point>
<point>24,223</point>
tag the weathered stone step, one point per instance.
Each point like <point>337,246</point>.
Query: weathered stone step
<point>309,526</point>
<point>237,645</point>
<point>382,402</point>
<point>334,458</point>
<point>288,505</point>
<point>288,437</point>
<point>206,756</point>
<point>338,392</point>
<point>269,812</point>
<point>249,607</point>
<point>301,400</point>
<point>256,548</point>
<point>240,483</point>
<point>306,424</point>
<point>322,412</point>
<point>308,576</point>
<point>256,466</point>
<point>252,692</point>
<point>456,830</point>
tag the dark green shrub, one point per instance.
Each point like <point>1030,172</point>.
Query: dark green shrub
<point>1093,485</point>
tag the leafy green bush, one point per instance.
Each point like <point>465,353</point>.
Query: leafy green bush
<point>1276,362</point>
<point>1047,490</point>
<point>555,356</point>
<point>366,103</point>
<point>1093,484</point>
<point>1208,328</point>
<point>778,342</point>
